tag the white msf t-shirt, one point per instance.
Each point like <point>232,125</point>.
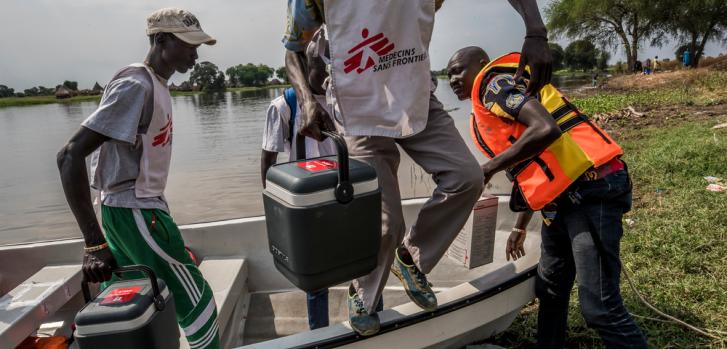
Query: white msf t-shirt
<point>130,169</point>
<point>277,131</point>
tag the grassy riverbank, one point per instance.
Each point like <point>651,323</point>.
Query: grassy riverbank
<point>675,246</point>
<point>247,89</point>
<point>24,101</point>
<point>573,73</point>
<point>681,88</point>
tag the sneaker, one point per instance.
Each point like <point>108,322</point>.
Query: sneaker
<point>359,318</point>
<point>415,283</point>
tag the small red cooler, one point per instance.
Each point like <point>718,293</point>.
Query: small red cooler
<point>129,314</point>
<point>323,219</point>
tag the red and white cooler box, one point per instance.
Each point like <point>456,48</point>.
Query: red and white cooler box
<point>323,219</point>
<point>129,314</point>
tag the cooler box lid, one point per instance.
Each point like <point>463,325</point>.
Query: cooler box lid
<point>313,181</point>
<point>124,305</point>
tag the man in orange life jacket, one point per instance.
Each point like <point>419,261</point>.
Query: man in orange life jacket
<point>568,168</point>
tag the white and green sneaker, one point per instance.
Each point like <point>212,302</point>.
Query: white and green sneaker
<point>415,283</point>
<point>361,321</point>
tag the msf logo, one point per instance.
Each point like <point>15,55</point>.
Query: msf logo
<point>164,136</point>
<point>364,54</point>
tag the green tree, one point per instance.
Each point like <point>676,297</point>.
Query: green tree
<point>556,51</point>
<point>609,22</point>
<point>602,59</point>
<point>33,91</point>
<point>695,23</point>
<point>219,83</point>
<point>207,76</point>
<point>6,91</point>
<point>441,72</point>
<point>581,54</point>
<point>264,73</point>
<point>71,85</point>
<point>282,74</point>
<point>249,74</point>
<point>45,91</point>
<point>239,73</point>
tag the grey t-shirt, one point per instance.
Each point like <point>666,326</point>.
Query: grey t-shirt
<point>124,113</point>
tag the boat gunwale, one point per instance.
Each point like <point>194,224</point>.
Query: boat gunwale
<point>414,319</point>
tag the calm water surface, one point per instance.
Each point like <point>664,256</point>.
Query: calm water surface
<point>215,171</point>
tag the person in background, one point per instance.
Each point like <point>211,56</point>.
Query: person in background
<point>686,59</point>
<point>647,67</point>
<point>281,135</point>
<point>130,136</point>
<point>283,120</point>
<point>655,64</point>
<point>570,170</point>
<point>638,67</point>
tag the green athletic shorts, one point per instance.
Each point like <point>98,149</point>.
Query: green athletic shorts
<point>150,237</point>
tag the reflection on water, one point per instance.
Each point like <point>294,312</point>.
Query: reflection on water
<point>569,83</point>
<point>215,167</point>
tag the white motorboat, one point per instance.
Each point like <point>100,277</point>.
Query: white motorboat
<point>40,285</point>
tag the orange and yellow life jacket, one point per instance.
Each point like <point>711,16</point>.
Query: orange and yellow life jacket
<point>544,177</point>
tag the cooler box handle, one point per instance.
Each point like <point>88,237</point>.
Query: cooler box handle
<point>148,272</point>
<point>344,189</point>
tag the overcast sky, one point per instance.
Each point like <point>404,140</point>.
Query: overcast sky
<point>44,42</point>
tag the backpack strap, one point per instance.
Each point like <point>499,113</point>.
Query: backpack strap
<point>292,101</point>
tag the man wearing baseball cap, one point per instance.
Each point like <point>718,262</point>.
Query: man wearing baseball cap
<point>130,136</point>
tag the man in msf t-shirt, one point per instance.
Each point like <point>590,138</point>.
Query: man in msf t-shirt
<point>130,135</point>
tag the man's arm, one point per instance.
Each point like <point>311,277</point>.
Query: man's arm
<point>71,160</point>
<point>541,131</point>
<point>267,159</point>
<point>535,52</point>
<point>515,247</point>
<point>314,118</point>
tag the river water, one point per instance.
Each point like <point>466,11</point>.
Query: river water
<point>215,171</point>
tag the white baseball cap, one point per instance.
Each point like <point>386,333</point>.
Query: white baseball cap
<point>183,24</point>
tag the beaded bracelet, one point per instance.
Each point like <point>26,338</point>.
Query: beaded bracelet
<point>96,248</point>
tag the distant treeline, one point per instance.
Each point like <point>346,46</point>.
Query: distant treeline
<point>65,90</point>
<point>205,76</point>
<point>632,24</point>
<point>578,55</point>
<point>585,56</point>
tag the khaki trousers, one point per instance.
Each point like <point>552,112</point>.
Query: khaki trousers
<point>441,152</point>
